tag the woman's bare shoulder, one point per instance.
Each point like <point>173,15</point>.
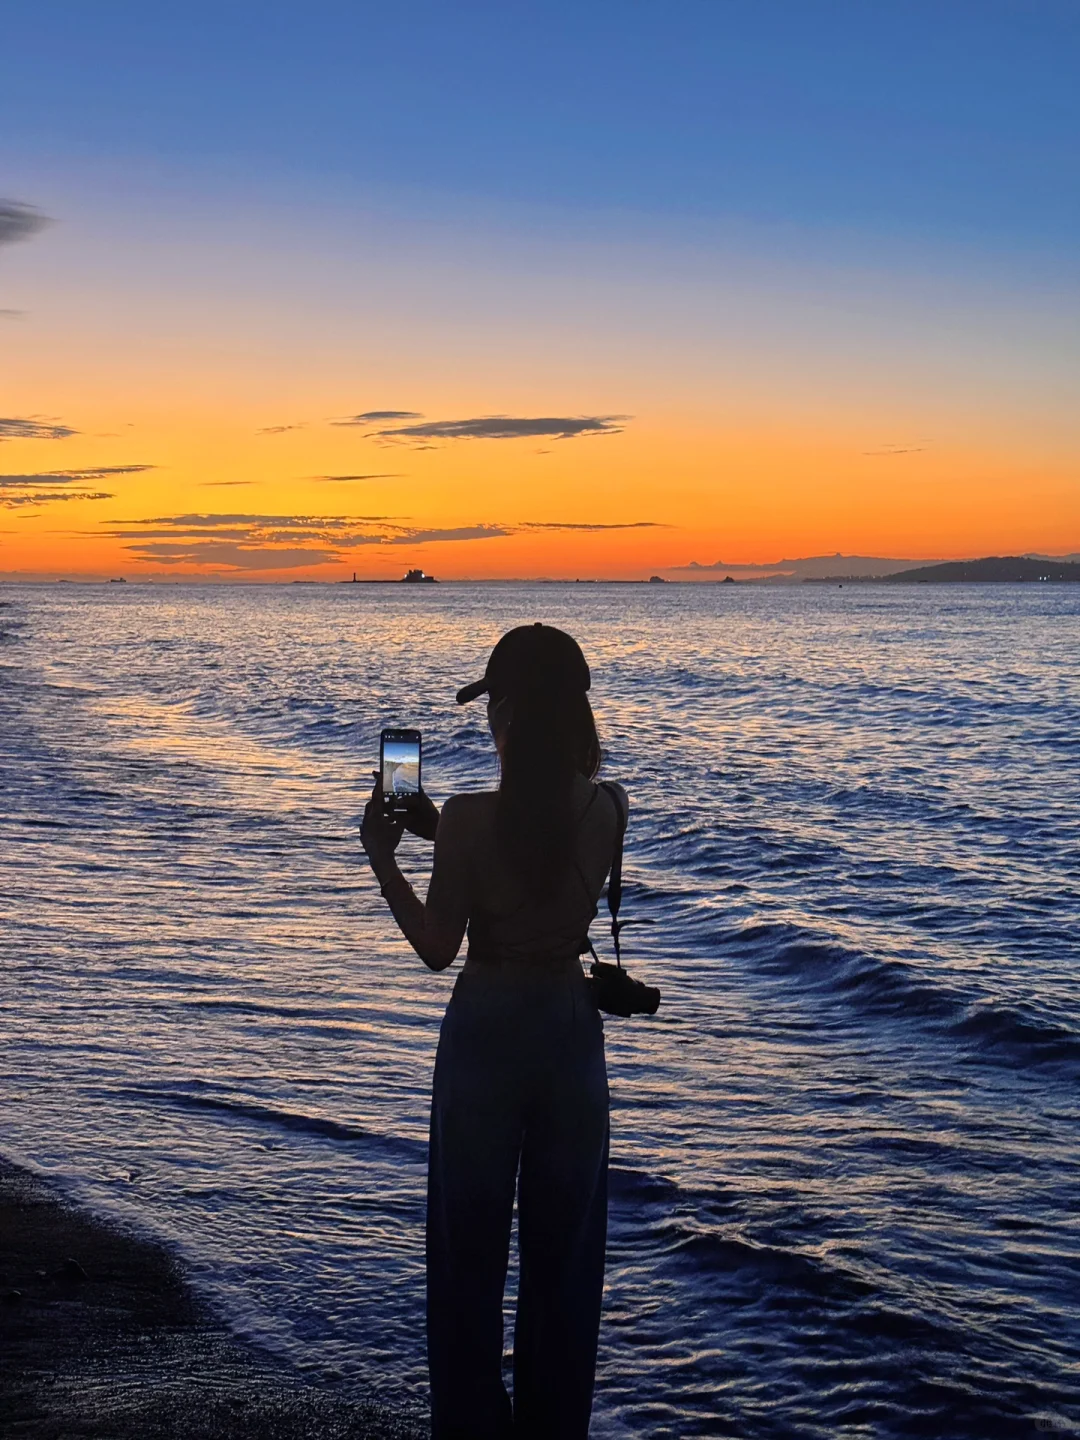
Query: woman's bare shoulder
<point>471,810</point>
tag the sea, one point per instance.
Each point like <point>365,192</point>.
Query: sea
<point>845,1153</point>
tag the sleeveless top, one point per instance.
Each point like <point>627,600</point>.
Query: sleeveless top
<point>506,924</point>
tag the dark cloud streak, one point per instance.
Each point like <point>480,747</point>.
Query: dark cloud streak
<point>46,487</point>
<point>342,479</point>
<point>19,221</point>
<point>582,525</point>
<point>67,477</point>
<point>504,427</point>
<point>378,417</point>
<point>898,450</point>
<point>48,497</point>
<point>34,428</point>
<point>298,523</point>
<point>462,532</point>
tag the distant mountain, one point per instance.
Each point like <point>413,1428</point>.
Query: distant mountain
<point>838,567</point>
<point>994,568</point>
<point>811,567</point>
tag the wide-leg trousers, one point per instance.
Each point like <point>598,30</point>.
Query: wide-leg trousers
<point>520,1100</point>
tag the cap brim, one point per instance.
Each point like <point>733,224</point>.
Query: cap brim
<point>470,692</point>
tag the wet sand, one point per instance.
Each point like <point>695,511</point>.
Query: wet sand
<point>102,1336</point>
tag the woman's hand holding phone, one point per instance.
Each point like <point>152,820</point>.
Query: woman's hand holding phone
<point>422,817</point>
<point>381,828</point>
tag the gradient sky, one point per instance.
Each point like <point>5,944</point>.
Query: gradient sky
<point>508,290</point>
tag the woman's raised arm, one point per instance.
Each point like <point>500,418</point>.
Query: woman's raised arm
<point>434,928</point>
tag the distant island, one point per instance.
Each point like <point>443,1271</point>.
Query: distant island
<point>1007,568</point>
<point>840,569</point>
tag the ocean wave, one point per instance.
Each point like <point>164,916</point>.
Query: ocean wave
<point>899,989</point>
<point>640,1187</point>
<point>990,1025</point>
<point>339,1017</point>
<point>677,1243</point>
<point>295,1121</point>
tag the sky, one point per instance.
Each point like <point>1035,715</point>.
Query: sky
<point>502,290</point>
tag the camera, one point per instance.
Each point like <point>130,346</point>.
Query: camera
<point>616,993</point>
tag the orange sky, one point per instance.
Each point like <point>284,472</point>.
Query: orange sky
<point>731,407</point>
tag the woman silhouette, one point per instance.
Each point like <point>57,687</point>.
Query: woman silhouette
<point>520,1094</point>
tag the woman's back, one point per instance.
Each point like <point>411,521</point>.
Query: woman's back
<point>505,919</point>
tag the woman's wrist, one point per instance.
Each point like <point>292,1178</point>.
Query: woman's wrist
<point>394,884</point>
<point>384,865</point>
<point>383,861</point>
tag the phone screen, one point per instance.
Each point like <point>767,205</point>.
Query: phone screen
<point>400,763</point>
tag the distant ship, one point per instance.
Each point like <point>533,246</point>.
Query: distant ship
<point>411,577</point>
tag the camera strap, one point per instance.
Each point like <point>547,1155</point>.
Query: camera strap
<point>614,889</point>
<point>614,991</point>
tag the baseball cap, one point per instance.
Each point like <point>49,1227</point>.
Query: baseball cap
<point>531,657</point>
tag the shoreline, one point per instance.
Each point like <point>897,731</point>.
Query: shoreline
<point>102,1335</point>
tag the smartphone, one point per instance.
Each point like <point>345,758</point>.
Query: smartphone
<point>399,766</point>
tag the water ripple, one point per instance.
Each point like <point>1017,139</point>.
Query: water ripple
<point>845,1152</point>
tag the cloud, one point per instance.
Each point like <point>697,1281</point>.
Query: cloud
<point>12,502</point>
<point>34,428</point>
<point>897,450</point>
<point>377,417</point>
<point>462,532</point>
<point>218,483</point>
<point>385,475</point>
<point>582,525</point>
<point>280,429</point>
<point>195,522</point>
<point>66,477</point>
<point>225,532</point>
<point>19,222</point>
<point>47,486</point>
<point>219,539</point>
<point>504,427</point>
<point>240,540</point>
<point>231,556</point>
<point>12,314</point>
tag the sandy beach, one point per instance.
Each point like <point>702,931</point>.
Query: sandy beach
<point>103,1336</point>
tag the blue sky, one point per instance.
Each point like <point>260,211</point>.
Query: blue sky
<point>958,119</point>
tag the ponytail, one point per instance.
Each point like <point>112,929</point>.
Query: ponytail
<point>551,737</point>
